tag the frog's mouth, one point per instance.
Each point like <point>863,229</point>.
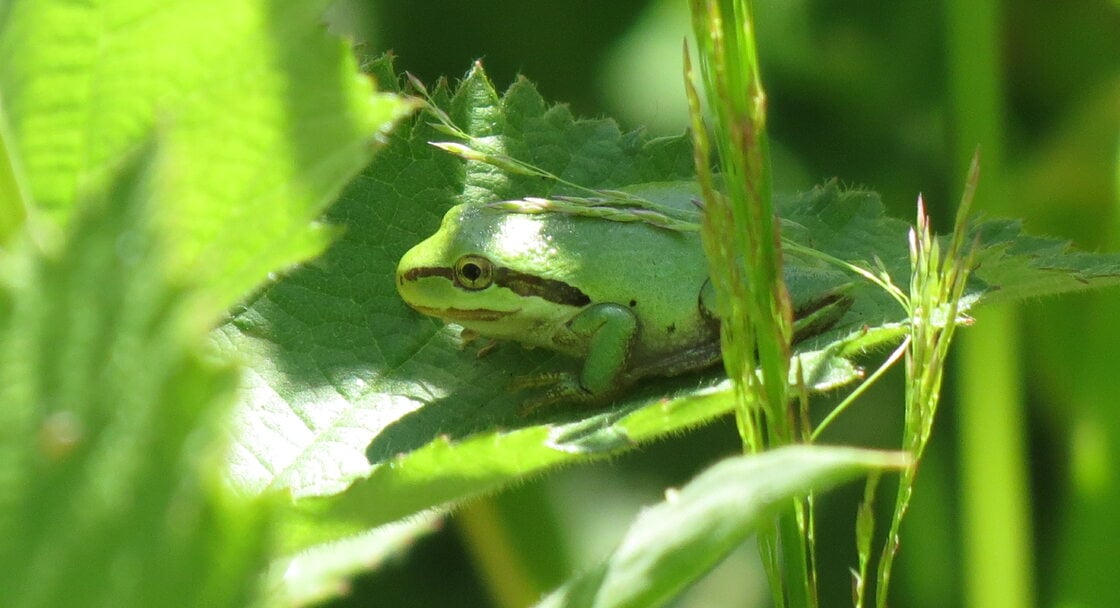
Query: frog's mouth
<point>465,314</point>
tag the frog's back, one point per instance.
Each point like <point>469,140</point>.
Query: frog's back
<point>656,272</point>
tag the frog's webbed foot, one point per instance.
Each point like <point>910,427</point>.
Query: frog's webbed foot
<point>562,387</point>
<point>467,337</point>
<point>490,346</point>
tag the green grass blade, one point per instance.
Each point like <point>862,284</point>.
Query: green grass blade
<point>998,556</point>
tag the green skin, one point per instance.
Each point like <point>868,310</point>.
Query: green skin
<point>628,298</point>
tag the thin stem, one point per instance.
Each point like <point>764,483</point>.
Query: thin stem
<point>866,384</point>
<point>487,539</point>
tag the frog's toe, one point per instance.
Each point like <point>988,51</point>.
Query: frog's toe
<point>527,381</point>
<point>562,388</point>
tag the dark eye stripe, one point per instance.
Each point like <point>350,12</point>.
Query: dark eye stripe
<point>428,271</point>
<point>523,284</point>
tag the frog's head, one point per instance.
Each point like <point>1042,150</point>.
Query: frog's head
<point>490,271</point>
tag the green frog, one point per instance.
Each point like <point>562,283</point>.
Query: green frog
<point>619,283</point>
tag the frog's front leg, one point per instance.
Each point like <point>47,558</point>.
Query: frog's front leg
<point>609,330</point>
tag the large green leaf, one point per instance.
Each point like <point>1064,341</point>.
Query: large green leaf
<point>337,347</point>
<point>351,389</point>
<point>265,111</point>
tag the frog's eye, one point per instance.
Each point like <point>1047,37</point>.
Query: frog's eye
<point>474,272</point>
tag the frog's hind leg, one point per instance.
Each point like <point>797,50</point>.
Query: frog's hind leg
<point>699,357</point>
<point>821,314</point>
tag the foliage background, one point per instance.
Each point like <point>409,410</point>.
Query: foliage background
<point>864,92</point>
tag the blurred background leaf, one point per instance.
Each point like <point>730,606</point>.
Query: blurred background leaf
<point>676,541</point>
<point>111,430</point>
<point>263,109</point>
<point>139,141</point>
